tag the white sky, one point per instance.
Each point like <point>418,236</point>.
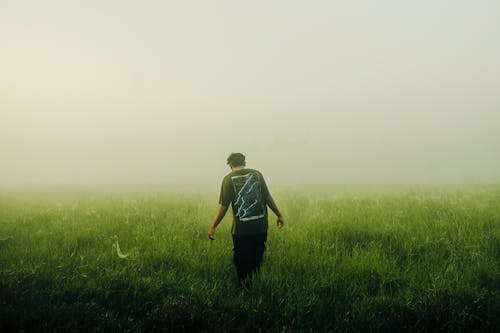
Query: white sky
<point>155,91</point>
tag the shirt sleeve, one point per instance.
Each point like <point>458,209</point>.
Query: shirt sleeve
<point>265,190</point>
<point>226,193</point>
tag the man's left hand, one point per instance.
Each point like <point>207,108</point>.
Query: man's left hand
<point>280,222</point>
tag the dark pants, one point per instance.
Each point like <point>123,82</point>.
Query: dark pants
<point>248,252</point>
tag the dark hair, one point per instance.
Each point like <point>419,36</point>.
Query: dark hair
<point>236,159</point>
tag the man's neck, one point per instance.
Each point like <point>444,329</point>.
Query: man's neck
<point>238,168</point>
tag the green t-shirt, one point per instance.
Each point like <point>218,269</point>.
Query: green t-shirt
<point>247,193</point>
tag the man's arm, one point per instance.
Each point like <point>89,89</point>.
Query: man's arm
<point>270,202</point>
<point>221,212</point>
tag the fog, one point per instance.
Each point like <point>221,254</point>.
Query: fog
<point>146,92</point>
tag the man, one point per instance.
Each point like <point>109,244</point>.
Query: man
<point>247,192</point>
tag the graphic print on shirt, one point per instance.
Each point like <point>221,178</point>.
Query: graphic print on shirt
<point>248,205</point>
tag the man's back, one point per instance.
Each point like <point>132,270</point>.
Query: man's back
<point>247,192</point>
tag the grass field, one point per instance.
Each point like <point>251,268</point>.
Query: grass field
<point>348,259</point>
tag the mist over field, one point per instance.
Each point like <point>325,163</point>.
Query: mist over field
<point>376,125</point>
<point>126,92</point>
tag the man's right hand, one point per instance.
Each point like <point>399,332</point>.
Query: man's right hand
<point>280,222</point>
<point>211,232</point>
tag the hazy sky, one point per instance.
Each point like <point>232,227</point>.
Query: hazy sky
<point>155,91</point>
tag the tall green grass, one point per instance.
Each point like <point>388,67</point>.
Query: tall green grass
<point>348,259</point>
